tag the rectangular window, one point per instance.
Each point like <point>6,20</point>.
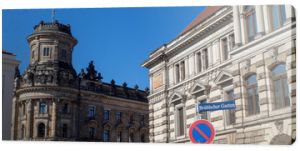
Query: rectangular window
<point>43,107</point>
<point>180,122</point>
<point>199,62</point>
<point>177,74</point>
<point>92,111</point>
<point>278,16</point>
<point>230,114</point>
<point>106,135</point>
<point>251,23</point>
<point>205,59</point>
<point>106,115</point>
<point>92,132</point>
<point>47,52</point>
<point>65,131</point>
<point>182,70</point>
<point>118,116</point>
<point>65,108</point>
<point>203,115</point>
<point>253,103</point>
<point>119,137</point>
<point>63,53</point>
<point>225,48</point>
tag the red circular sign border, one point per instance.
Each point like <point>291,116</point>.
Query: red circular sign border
<point>211,127</point>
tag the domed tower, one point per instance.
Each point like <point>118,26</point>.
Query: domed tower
<point>46,94</point>
<point>51,46</point>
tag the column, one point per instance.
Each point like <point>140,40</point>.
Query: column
<point>290,13</point>
<point>54,106</point>
<point>260,20</point>
<point>242,24</point>
<point>216,51</point>
<point>29,119</point>
<point>151,84</point>
<point>237,26</point>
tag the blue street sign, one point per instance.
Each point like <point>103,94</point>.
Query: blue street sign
<point>226,105</point>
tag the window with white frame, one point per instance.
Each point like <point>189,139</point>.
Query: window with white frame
<point>251,23</point>
<point>47,51</point>
<point>280,87</point>
<point>252,95</point>
<point>278,16</point>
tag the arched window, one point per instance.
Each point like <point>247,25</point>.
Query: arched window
<point>278,16</point>
<point>280,87</point>
<point>251,24</point>
<point>41,130</point>
<point>252,95</point>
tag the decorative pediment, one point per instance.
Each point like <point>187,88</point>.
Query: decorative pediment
<point>175,97</point>
<point>197,87</point>
<point>107,125</point>
<point>222,77</point>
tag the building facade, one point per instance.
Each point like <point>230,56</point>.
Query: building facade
<point>241,53</point>
<point>9,64</point>
<point>52,102</point>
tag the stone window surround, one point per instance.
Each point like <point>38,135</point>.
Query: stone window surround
<point>198,100</point>
<point>176,108</point>
<point>226,89</point>
<point>282,110</point>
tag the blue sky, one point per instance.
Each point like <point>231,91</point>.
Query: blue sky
<point>117,39</point>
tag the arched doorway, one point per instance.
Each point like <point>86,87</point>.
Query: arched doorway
<point>41,130</point>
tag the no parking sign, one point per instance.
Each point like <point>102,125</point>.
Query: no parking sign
<point>202,131</point>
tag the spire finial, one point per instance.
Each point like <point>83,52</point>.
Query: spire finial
<point>53,15</point>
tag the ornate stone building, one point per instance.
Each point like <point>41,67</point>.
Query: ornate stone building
<point>52,102</point>
<point>241,53</point>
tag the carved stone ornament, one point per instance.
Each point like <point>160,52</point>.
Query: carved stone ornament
<point>279,126</point>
